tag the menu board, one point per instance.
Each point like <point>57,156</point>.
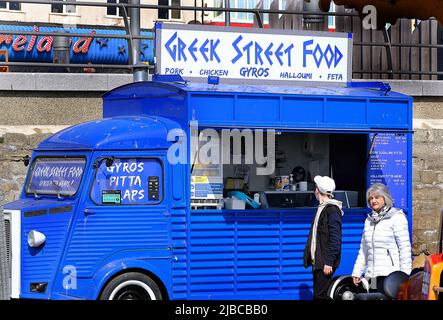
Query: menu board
<point>388,164</point>
<point>128,182</point>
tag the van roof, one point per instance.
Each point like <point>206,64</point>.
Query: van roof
<point>116,133</point>
<point>354,89</point>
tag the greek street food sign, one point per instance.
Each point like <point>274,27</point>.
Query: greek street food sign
<point>195,51</point>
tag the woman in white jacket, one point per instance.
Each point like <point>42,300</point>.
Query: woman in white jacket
<point>385,245</point>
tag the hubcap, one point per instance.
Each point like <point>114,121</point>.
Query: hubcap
<point>132,293</point>
<point>347,295</point>
<point>346,292</point>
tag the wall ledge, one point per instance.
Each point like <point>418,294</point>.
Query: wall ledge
<point>102,82</point>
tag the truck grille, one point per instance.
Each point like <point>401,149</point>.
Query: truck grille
<point>8,244</point>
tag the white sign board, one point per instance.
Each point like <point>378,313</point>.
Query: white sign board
<point>194,51</point>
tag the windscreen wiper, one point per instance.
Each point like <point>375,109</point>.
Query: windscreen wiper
<point>36,196</point>
<point>59,196</point>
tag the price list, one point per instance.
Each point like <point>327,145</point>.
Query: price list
<point>388,164</point>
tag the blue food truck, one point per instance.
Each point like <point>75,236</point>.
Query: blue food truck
<point>125,207</point>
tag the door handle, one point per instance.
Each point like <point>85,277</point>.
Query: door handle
<point>88,212</point>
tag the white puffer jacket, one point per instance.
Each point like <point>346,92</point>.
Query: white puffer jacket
<point>385,246</point>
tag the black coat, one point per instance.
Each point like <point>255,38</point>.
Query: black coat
<point>328,247</point>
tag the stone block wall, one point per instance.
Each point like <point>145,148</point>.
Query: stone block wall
<point>13,147</point>
<point>26,118</point>
<point>427,191</point>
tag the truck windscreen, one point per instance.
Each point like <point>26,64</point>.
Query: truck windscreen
<point>55,176</point>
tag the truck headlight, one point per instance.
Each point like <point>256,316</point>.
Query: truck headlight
<point>36,239</point>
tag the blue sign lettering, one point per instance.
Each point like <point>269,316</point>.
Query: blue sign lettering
<point>217,73</point>
<point>335,76</point>
<point>192,49</point>
<point>171,50</point>
<point>295,75</point>
<point>213,52</point>
<point>288,53</point>
<point>259,52</point>
<point>177,49</point>
<point>174,71</point>
<point>278,54</point>
<point>328,55</point>
<point>181,50</point>
<point>268,53</point>
<point>235,45</point>
<point>337,56</point>
<point>246,48</point>
<point>254,72</point>
<point>203,50</point>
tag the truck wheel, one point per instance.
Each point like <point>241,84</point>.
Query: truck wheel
<point>131,286</point>
<point>342,288</point>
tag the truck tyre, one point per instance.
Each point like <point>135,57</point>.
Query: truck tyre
<point>131,286</point>
<point>342,288</point>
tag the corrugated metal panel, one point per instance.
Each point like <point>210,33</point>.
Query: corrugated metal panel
<point>295,230</point>
<point>301,112</point>
<point>211,253</point>
<point>179,263</point>
<point>8,243</point>
<point>40,264</point>
<point>224,92</point>
<point>101,50</point>
<point>5,256</point>
<point>335,108</point>
<point>113,229</point>
<point>258,254</point>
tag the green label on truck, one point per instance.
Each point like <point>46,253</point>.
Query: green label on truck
<point>111,197</point>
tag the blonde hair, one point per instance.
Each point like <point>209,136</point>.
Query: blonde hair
<point>382,190</point>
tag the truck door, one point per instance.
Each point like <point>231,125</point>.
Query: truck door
<point>124,213</point>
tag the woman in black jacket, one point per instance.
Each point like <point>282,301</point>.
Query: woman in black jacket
<point>323,248</point>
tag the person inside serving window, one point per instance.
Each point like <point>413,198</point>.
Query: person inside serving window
<point>385,245</point>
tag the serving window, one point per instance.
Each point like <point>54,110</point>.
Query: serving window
<point>277,171</point>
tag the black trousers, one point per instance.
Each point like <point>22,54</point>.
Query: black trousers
<point>321,284</point>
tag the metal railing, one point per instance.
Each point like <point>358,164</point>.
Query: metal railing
<point>393,53</point>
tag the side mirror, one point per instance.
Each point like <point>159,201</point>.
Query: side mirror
<point>26,160</point>
<point>109,161</point>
